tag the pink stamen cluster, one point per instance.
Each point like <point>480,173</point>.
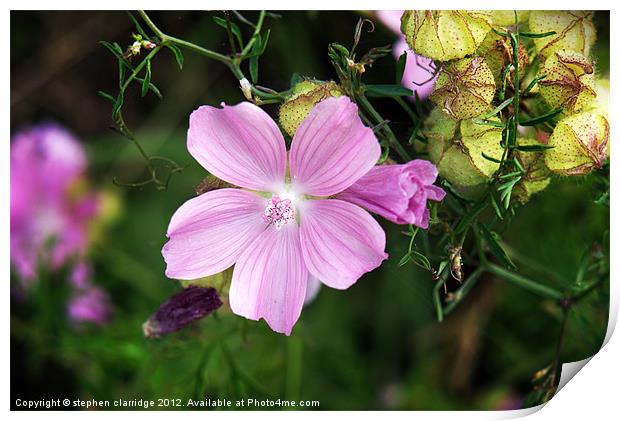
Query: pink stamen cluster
<point>278,212</point>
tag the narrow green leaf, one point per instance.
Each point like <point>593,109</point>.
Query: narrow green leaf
<point>253,64</point>
<point>533,148</point>
<point>491,123</point>
<point>178,55</point>
<point>533,83</point>
<point>466,221</point>
<point>264,42</point>
<point>491,239</point>
<point>540,119</point>
<point>233,27</point>
<point>497,109</point>
<point>400,68</point>
<point>107,96</point>
<point>147,79</point>
<point>387,91</point>
<point>535,35</point>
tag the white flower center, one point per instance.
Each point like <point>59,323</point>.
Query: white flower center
<point>279,211</point>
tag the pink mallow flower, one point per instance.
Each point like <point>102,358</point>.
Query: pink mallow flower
<point>90,304</point>
<point>284,230</point>
<point>49,216</point>
<point>418,69</point>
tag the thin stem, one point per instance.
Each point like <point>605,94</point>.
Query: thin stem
<point>386,128</point>
<point>257,30</point>
<point>532,286</point>
<point>233,64</point>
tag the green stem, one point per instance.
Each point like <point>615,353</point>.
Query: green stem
<point>257,30</point>
<point>233,64</point>
<point>532,286</point>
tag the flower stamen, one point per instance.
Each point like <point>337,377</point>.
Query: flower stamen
<point>279,212</point>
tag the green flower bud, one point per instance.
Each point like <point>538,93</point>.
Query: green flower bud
<point>306,95</point>
<point>497,53</point>
<point>444,35</point>
<point>537,176</point>
<point>574,31</point>
<point>460,161</point>
<point>464,88</point>
<point>580,144</point>
<point>507,17</point>
<point>568,82</point>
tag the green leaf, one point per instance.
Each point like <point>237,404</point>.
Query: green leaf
<point>497,109</point>
<point>533,83</point>
<point>387,91</point>
<point>233,27</point>
<point>404,260</point>
<point>535,35</point>
<point>264,42</point>
<point>147,79</point>
<point>540,119</point>
<point>107,96</point>
<point>533,148</point>
<point>469,217</point>
<point>137,25</point>
<point>490,158</point>
<point>113,48</point>
<point>400,67</point>
<point>491,123</point>
<point>178,55</point>
<point>152,88</point>
<point>118,104</point>
<point>492,240</point>
<point>253,65</point>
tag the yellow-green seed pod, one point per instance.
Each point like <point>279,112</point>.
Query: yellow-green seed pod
<point>574,31</point>
<point>580,144</point>
<point>569,81</point>
<point>537,176</point>
<point>497,53</point>
<point>464,88</point>
<point>507,17</point>
<point>306,95</point>
<point>601,103</point>
<point>444,35</point>
<point>461,161</point>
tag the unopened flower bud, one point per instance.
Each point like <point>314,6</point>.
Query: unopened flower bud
<point>574,31</point>
<point>176,312</point>
<point>246,88</point>
<point>465,88</point>
<point>537,176</point>
<point>444,35</point>
<point>306,95</point>
<point>568,82</point>
<point>148,45</point>
<point>580,144</point>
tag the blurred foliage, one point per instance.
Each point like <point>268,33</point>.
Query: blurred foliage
<point>375,346</point>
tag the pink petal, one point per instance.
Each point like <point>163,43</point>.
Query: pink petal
<point>332,148</point>
<point>269,279</point>
<point>240,144</point>
<point>209,232</point>
<point>340,242</point>
<point>418,75</point>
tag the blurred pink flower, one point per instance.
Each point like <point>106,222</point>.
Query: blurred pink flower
<point>404,202</point>
<point>49,218</point>
<point>282,242</point>
<point>90,304</point>
<point>418,69</point>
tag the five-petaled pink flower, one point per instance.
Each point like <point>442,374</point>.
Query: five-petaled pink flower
<point>284,229</point>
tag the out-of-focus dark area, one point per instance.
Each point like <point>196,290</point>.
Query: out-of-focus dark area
<point>376,346</point>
